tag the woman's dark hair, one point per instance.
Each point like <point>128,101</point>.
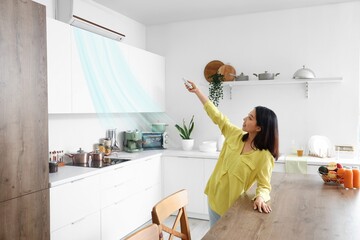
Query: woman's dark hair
<point>268,137</point>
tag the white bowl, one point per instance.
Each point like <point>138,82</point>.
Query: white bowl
<point>205,148</point>
<point>210,144</point>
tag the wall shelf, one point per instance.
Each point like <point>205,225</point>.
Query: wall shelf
<point>306,82</point>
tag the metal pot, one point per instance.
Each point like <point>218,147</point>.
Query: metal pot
<point>79,158</point>
<point>159,127</point>
<point>97,156</point>
<point>242,77</point>
<point>304,73</point>
<point>266,75</point>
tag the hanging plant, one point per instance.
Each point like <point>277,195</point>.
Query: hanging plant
<point>216,88</point>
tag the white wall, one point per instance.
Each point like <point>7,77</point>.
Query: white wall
<point>325,39</point>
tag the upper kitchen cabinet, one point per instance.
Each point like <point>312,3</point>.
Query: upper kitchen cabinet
<point>59,66</point>
<point>111,77</point>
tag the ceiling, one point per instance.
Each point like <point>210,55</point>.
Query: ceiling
<point>155,12</point>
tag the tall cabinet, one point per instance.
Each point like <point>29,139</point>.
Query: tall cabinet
<point>24,170</point>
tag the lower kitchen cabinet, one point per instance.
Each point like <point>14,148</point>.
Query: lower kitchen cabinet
<point>71,206</point>
<point>106,206</point>
<point>128,194</point>
<point>191,174</point>
<point>86,228</point>
<point>123,217</point>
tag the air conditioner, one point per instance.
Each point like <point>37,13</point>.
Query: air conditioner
<point>87,15</point>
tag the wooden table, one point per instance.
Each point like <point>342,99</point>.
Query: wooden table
<point>303,207</point>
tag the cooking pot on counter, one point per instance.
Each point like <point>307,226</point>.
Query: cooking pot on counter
<point>159,127</point>
<point>80,157</point>
<point>97,156</point>
<point>304,73</point>
<point>266,75</point>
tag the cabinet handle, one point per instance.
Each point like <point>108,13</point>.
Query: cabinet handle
<point>77,180</point>
<point>118,168</point>
<point>118,185</point>
<point>79,220</point>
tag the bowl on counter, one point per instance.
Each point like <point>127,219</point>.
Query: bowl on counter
<point>208,146</point>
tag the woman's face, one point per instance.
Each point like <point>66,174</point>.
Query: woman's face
<point>250,124</point>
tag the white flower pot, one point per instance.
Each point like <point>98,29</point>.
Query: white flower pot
<point>187,144</point>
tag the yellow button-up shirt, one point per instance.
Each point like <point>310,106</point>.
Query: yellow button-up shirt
<point>234,172</point>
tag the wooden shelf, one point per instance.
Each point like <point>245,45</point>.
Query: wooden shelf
<point>307,83</point>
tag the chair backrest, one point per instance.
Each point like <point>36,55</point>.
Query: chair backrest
<point>173,204</point>
<point>151,232</point>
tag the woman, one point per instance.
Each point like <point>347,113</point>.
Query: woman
<point>247,156</point>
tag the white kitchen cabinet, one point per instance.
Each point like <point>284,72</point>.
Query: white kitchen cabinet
<point>87,228</point>
<point>123,217</point>
<point>112,77</point>
<point>72,203</point>
<point>128,195</point>
<point>58,66</point>
<point>191,174</point>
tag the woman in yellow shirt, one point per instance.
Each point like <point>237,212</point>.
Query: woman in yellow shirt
<point>247,156</point>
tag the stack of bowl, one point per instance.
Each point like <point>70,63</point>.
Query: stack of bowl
<point>208,146</point>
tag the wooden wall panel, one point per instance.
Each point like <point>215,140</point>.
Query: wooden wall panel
<point>23,99</point>
<point>26,217</point>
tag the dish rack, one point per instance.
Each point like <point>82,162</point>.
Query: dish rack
<point>331,181</point>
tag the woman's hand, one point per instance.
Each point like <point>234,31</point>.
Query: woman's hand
<point>191,87</point>
<point>261,206</point>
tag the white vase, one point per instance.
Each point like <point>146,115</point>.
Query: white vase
<point>187,144</point>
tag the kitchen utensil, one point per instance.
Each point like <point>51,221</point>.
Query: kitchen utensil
<point>266,75</point>
<point>304,73</point>
<point>97,156</point>
<point>227,71</point>
<point>79,158</point>
<point>211,68</point>
<point>159,127</point>
<point>241,77</point>
<point>111,134</point>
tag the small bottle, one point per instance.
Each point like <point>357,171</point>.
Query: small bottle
<point>348,178</point>
<point>356,177</point>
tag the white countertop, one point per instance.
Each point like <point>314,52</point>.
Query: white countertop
<point>72,173</point>
<point>318,161</point>
<point>68,174</point>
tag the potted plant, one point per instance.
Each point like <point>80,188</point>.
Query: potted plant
<point>216,88</point>
<point>185,133</point>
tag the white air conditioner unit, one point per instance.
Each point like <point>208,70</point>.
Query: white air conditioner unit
<point>86,15</point>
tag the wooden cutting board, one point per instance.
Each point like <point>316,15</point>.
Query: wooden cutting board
<point>211,68</point>
<point>228,71</point>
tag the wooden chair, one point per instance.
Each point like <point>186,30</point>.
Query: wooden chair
<point>176,202</point>
<point>151,232</point>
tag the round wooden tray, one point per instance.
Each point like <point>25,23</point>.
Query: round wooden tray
<point>228,71</point>
<point>211,68</point>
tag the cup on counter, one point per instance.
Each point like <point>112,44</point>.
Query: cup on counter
<point>53,167</point>
<point>300,151</point>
